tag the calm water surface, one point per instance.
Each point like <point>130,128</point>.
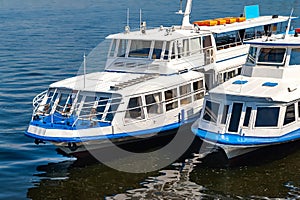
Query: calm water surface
<point>42,42</point>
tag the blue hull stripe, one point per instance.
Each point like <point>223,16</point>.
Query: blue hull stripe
<point>110,136</point>
<point>234,139</point>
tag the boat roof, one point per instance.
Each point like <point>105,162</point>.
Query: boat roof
<point>158,34</point>
<point>126,84</point>
<point>276,40</point>
<point>272,89</point>
<point>249,23</point>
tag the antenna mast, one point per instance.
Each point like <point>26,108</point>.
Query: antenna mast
<point>84,69</point>
<point>186,16</point>
<point>289,25</point>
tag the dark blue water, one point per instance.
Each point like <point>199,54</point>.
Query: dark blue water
<point>42,42</point>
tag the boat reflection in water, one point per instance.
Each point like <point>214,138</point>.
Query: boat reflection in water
<point>192,178</point>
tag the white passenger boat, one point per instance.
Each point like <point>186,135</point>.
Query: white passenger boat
<point>261,107</point>
<point>152,84</point>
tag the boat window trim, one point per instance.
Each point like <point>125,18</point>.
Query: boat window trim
<point>163,50</point>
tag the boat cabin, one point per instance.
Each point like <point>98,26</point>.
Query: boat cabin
<point>163,51</point>
<point>264,97</point>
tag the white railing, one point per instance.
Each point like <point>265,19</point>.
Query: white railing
<point>37,100</point>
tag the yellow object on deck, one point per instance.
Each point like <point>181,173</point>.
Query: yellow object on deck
<point>220,21</point>
<point>206,23</point>
<point>230,20</point>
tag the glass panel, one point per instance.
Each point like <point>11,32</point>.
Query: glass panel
<point>235,117</point>
<point>247,116</point>
<point>166,56</point>
<point>113,48</point>
<point>171,100</point>
<point>195,45</point>
<point>122,48</point>
<point>157,50</point>
<point>299,109</point>
<point>289,114</point>
<point>87,109</point>
<point>198,96</point>
<point>271,55</point>
<point>139,49</point>
<point>62,102</point>
<point>154,105</point>
<point>135,110</point>
<point>225,113</point>
<point>206,41</point>
<point>198,85</point>
<point>252,55</point>
<point>185,89</point>
<point>295,57</point>
<point>211,111</point>
<point>101,106</point>
<point>267,116</point>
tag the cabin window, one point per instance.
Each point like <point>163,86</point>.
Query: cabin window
<point>299,109</point>
<point>211,111</point>
<point>157,50</point>
<point>295,57</point>
<point>271,55</point>
<point>139,49</point>
<point>247,116</point>
<point>267,117</point>
<point>63,98</point>
<point>101,107</point>
<point>224,114</point>
<point>226,40</point>
<point>167,51</point>
<point>185,47</point>
<point>252,55</point>
<point>289,116</point>
<point>135,109</point>
<point>235,117</point>
<point>184,91</point>
<point>206,41</point>
<point>113,48</point>
<point>195,45</point>
<point>122,48</point>
<point>198,86</point>
<point>88,110</point>
<point>171,99</point>
<point>153,103</point>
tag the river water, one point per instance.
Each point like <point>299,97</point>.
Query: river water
<point>43,41</point>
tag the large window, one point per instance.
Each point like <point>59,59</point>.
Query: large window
<point>139,48</point>
<point>267,117</point>
<point>135,109</point>
<point>252,55</point>
<point>295,57</point>
<point>157,50</point>
<point>289,116</point>
<point>185,91</point>
<point>171,99</point>
<point>271,55</point>
<point>211,111</point>
<point>153,103</point>
<point>122,48</point>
